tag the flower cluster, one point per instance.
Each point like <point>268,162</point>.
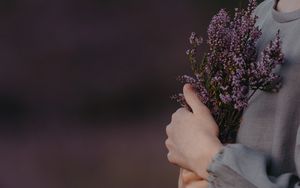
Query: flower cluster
<point>232,70</point>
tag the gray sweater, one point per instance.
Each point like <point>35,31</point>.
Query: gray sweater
<point>267,152</point>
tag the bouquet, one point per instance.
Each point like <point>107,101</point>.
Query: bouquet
<point>231,70</point>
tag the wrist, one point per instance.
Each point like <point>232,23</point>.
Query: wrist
<point>216,149</point>
<point>201,170</point>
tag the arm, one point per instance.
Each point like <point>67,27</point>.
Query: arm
<point>193,145</point>
<point>238,166</point>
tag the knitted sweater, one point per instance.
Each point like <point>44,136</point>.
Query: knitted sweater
<point>267,152</point>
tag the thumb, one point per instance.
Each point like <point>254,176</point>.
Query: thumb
<point>192,99</point>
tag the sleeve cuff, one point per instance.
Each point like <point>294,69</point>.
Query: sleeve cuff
<point>236,165</point>
<point>215,164</point>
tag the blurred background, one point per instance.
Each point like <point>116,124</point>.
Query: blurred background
<point>85,87</point>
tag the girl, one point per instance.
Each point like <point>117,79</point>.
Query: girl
<point>267,152</point>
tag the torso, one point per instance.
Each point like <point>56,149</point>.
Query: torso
<point>270,123</point>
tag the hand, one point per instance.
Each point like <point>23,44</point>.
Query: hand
<point>193,136</point>
<point>188,179</point>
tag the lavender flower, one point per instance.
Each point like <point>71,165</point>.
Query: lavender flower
<point>231,72</point>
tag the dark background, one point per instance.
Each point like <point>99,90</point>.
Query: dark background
<point>85,86</point>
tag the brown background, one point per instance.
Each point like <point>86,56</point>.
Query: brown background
<point>85,86</point>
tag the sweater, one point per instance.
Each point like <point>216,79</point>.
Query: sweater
<point>267,151</point>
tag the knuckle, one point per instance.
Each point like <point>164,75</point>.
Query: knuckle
<point>168,129</point>
<point>181,110</point>
<point>167,143</point>
<point>170,158</point>
<point>174,116</point>
<point>179,113</point>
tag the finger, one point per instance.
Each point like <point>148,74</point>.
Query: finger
<point>198,184</point>
<point>171,158</point>
<point>180,183</point>
<point>182,111</point>
<point>189,176</point>
<point>168,130</point>
<point>168,144</point>
<point>179,113</point>
<point>192,99</point>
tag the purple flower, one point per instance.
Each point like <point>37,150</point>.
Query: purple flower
<point>230,71</point>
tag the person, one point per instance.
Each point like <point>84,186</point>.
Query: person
<point>267,151</point>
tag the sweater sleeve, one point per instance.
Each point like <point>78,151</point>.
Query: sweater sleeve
<point>238,166</point>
